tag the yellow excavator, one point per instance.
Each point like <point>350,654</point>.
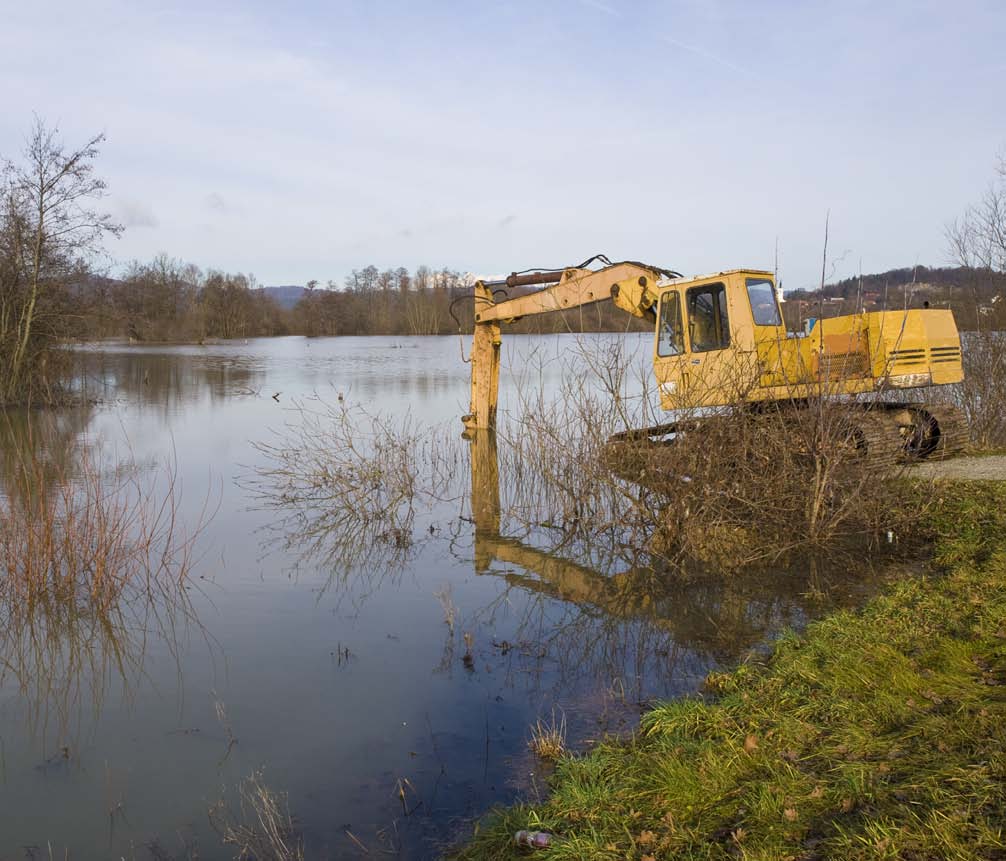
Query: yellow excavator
<point>720,340</point>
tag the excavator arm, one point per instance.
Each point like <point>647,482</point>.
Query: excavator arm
<point>630,285</point>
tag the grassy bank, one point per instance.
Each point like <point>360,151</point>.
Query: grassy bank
<point>875,734</point>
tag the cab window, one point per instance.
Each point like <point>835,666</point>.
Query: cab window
<point>708,326</point>
<point>670,332</point>
<point>761,293</point>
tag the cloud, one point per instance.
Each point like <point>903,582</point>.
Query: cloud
<point>366,129</point>
<point>132,213</point>
<point>215,202</point>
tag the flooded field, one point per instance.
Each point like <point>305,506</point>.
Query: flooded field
<point>388,689</point>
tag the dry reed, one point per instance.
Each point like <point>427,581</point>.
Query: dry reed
<point>262,829</point>
<point>548,738</point>
<point>734,486</point>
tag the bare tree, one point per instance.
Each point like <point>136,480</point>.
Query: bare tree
<point>154,300</point>
<point>403,279</point>
<point>49,233</point>
<point>977,240</point>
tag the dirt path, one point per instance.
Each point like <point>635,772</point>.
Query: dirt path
<point>991,467</point>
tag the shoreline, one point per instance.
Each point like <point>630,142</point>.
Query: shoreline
<point>875,732</point>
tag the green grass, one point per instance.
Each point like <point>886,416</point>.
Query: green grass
<point>875,734</point>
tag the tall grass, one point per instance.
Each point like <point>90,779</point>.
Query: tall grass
<point>548,738</point>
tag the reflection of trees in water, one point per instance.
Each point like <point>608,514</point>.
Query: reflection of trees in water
<point>94,563</point>
<point>64,661</point>
<point>558,648</point>
<point>46,439</point>
<point>351,554</point>
<point>168,381</point>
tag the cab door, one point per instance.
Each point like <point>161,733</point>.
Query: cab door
<point>765,335</point>
<point>670,357</point>
<point>711,367</point>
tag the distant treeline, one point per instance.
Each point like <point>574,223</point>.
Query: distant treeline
<point>168,300</point>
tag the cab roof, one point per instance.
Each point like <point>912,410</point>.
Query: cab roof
<point>685,279</point>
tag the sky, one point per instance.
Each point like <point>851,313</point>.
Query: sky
<point>301,140</point>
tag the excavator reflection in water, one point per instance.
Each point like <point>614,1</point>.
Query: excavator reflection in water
<point>719,617</point>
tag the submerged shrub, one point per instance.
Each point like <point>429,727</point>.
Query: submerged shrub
<point>348,484</point>
<point>722,488</point>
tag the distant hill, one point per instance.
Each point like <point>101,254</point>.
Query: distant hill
<point>286,296</point>
<point>975,296</point>
<point>922,280</point>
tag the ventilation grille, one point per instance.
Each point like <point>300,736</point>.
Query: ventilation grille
<point>843,366</point>
<point>907,358</point>
<point>916,358</point>
<point>945,354</point>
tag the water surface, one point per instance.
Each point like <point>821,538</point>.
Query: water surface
<point>338,676</point>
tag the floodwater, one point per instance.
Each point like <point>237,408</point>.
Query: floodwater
<point>334,672</point>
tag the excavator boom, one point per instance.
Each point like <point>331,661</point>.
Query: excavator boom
<point>629,285</point>
<point>574,288</point>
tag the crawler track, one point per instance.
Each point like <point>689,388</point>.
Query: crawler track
<point>884,434</point>
<point>909,433</point>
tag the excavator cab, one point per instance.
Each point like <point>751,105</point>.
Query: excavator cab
<point>708,332</point>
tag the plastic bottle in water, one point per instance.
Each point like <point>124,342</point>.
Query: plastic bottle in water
<point>533,839</point>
